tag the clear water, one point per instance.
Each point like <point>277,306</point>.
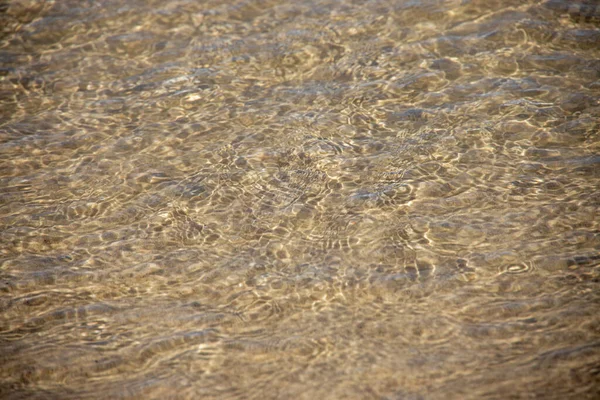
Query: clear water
<point>327,199</point>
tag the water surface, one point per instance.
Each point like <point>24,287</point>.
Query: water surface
<point>326,199</point>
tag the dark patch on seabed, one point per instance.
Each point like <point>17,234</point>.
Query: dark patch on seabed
<point>328,199</point>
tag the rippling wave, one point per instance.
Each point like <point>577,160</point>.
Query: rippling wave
<point>318,199</point>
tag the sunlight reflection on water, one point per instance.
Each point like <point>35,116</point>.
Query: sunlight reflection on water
<point>313,199</point>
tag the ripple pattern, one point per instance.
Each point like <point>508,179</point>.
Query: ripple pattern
<point>318,199</point>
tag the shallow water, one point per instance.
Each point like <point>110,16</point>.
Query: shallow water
<point>300,200</point>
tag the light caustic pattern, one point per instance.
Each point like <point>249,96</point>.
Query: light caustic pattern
<point>326,199</point>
